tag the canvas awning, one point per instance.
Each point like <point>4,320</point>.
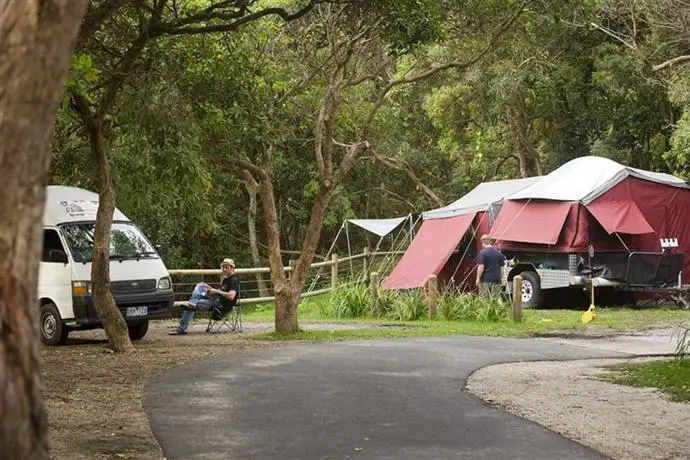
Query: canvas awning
<point>429,251</point>
<point>538,222</point>
<point>380,227</point>
<point>620,217</point>
<point>481,197</point>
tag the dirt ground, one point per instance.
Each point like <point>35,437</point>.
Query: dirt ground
<point>620,421</point>
<point>93,396</point>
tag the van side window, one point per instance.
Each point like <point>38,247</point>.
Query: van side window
<point>51,240</point>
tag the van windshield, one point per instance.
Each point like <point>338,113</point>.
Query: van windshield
<point>126,241</point>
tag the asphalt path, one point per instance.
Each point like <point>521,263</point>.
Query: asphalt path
<point>395,399</point>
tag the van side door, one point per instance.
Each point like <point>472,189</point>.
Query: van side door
<point>55,274</point>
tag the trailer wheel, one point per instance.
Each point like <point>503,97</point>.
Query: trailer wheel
<point>531,289</point>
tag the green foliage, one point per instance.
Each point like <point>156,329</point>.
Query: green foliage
<point>349,301</point>
<point>83,75</point>
<point>384,305</point>
<point>409,306</point>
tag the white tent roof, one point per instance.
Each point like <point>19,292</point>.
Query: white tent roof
<point>380,227</point>
<point>481,197</point>
<point>585,178</point>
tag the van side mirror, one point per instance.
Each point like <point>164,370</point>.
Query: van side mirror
<point>58,256</point>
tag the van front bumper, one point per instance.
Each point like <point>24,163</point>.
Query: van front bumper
<point>159,306</point>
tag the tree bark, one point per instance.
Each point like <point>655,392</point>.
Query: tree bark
<point>252,187</point>
<point>113,323</point>
<point>36,39</point>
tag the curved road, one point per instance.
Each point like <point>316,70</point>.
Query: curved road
<point>396,399</point>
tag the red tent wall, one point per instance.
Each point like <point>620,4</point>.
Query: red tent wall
<point>460,269</point>
<point>429,251</point>
<point>666,208</point>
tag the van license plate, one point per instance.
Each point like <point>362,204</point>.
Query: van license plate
<point>137,311</point>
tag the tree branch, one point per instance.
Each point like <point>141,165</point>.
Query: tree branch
<point>93,21</point>
<point>174,29</point>
<point>612,34</point>
<point>395,164</point>
<point>670,62</point>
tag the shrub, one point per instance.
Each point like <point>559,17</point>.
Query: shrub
<point>383,305</point>
<point>409,306</point>
<point>349,301</point>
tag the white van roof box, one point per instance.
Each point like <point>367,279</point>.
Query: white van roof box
<point>72,204</point>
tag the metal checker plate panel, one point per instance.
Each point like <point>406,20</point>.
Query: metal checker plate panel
<point>551,279</point>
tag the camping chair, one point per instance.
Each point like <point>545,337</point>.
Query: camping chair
<point>220,317</point>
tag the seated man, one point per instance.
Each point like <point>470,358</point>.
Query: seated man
<point>226,296</point>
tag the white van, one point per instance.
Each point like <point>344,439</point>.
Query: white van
<point>140,283</point>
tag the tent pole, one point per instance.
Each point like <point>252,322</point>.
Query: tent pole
<point>349,248</point>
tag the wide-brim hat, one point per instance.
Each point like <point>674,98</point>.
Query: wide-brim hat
<point>228,262</point>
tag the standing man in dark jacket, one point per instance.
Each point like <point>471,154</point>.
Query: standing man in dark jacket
<point>226,296</point>
<point>489,268</point>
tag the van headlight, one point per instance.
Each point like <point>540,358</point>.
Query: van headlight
<point>81,288</point>
<point>164,284</point>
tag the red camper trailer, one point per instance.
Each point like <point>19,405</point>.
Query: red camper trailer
<point>546,227</point>
<point>622,215</point>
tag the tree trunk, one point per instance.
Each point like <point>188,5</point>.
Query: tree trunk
<point>251,186</point>
<point>286,308</point>
<point>516,141</point>
<point>36,38</point>
<point>287,299</point>
<point>111,317</point>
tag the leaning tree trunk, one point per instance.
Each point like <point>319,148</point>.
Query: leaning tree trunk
<point>251,186</point>
<point>36,38</point>
<point>111,317</point>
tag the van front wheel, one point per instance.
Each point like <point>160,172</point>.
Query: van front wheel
<point>53,331</point>
<point>138,331</point>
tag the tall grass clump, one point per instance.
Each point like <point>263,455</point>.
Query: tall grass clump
<point>682,334</point>
<point>409,306</point>
<point>349,301</point>
<point>472,307</point>
<point>384,304</point>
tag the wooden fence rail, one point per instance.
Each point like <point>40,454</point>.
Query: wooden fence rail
<point>334,263</point>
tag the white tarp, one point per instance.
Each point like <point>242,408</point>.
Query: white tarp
<point>585,178</point>
<point>380,227</point>
<point>481,197</point>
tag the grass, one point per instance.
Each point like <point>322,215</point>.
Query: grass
<point>671,377</point>
<point>533,322</point>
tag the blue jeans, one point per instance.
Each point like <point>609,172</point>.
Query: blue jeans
<point>204,304</point>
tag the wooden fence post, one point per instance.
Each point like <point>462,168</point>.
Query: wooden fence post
<point>366,264</point>
<point>334,271</point>
<point>517,298</point>
<point>432,296</point>
<point>374,288</point>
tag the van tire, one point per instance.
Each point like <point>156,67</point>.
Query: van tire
<point>138,331</point>
<point>53,331</point>
<point>531,289</point>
